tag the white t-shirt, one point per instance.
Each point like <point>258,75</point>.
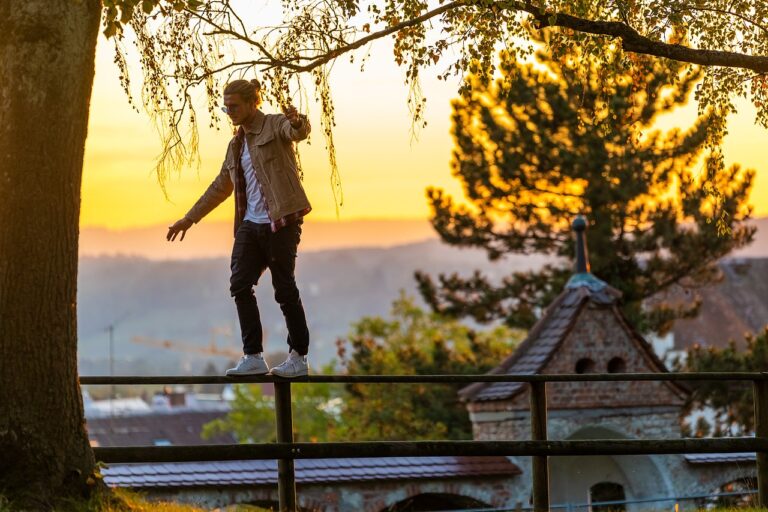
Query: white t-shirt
<point>256,210</point>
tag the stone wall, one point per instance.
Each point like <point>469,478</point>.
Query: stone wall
<point>624,423</point>
<point>600,335</point>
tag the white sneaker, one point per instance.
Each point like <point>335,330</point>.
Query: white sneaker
<point>294,366</point>
<point>250,364</point>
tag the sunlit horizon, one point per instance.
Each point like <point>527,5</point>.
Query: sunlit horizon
<point>384,171</point>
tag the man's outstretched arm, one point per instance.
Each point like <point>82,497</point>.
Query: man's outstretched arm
<point>294,126</point>
<point>216,193</point>
<point>180,226</point>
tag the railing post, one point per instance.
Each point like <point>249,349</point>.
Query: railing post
<point>539,433</point>
<point>286,479</point>
<point>761,431</point>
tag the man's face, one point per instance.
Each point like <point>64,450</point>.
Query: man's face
<point>238,109</point>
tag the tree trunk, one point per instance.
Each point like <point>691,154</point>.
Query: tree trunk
<point>47,51</point>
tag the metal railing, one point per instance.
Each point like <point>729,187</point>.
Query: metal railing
<point>539,447</point>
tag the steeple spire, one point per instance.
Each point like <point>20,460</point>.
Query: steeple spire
<point>582,257</point>
<point>582,276</point>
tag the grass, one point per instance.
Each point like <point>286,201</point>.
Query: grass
<point>122,500</point>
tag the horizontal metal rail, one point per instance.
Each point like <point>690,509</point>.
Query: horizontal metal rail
<point>273,451</point>
<point>540,448</point>
<point>425,379</point>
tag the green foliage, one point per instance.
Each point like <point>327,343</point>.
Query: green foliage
<point>252,418</point>
<point>564,136</point>
<point>733,401</point>
<point>112,500</point>
<point>414,342</point>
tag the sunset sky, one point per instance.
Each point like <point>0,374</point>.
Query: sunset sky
<point>384,172</point>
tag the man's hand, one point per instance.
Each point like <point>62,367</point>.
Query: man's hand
<point>293,115</point>
<point>181,226</point>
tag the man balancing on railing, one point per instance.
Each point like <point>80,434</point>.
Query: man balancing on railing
<point>260,167</point>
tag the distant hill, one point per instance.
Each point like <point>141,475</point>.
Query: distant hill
<point>214,239</point>
<point>188,300</point>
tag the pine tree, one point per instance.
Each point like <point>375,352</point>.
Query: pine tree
<point>562,137</point>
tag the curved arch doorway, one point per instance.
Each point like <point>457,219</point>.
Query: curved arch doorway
<point>572,478</point>
<point>430,501</point>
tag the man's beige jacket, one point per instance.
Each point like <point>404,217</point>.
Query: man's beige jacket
<point>270,140</point>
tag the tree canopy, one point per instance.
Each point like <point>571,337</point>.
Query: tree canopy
<point>415,342</point>
<point>316,410</point>
<point>189,43</point>
<point>732,402</point>
<point>559,137</point>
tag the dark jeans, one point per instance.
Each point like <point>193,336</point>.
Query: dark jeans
<point>256,249</point>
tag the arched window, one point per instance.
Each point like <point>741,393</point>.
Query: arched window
<point>585,365</point>
<point>435,501</point>
<point>617,365</point>
<point>604,495</point>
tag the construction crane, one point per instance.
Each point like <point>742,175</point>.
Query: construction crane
<point>186,346</point>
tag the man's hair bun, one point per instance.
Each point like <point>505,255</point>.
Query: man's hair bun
<point>247,89</point>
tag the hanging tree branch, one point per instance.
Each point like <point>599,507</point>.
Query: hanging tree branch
<point>633,41</point>
<point>183,42</point>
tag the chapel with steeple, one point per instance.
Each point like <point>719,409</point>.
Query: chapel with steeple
<point>584,331</point>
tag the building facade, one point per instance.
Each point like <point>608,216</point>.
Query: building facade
<point>584,331</point>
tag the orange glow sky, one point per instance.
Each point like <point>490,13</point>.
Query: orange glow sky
<point>384,173</point>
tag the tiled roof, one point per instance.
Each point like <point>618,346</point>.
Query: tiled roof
<point>730,307</point>
<point>116,407</point>
<point>264,472</point>
<point>719,458</point>
<point>176,428</point>
<point>544,338</point>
